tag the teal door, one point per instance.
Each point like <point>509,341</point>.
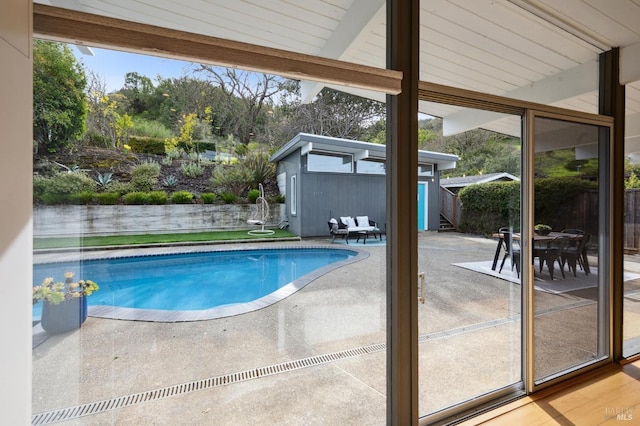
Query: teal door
<point>422,207</point>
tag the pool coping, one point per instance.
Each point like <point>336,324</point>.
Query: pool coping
<point>157,315</point>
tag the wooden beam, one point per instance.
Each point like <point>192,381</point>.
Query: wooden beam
<point>87,29</point>
<point>612,103</point>
<point>402,215</point>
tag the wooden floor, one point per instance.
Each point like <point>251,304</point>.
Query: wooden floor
<point>608,396</point>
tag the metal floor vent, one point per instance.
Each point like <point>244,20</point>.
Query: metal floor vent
<point>92,408</point>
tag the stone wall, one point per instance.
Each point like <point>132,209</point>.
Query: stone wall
<point>51,221</point>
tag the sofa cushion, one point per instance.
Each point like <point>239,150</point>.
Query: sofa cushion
<point>362,220</point>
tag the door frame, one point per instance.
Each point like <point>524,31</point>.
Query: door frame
<point>605,255</point>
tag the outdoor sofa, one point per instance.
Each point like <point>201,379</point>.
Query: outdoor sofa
<point>347,226</point>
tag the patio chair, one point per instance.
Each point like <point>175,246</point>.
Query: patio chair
<point>510,251</point>
<point>549,252</point>
<point>576,252</point>
<point>572,253</point>
<point>338,229</point>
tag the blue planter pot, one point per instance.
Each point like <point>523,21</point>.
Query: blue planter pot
<point>63,317</point>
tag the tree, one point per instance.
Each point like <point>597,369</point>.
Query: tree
<point>59,104</point>
<point>138,89</point>
<point>337,114</point>
<point>247,96</point>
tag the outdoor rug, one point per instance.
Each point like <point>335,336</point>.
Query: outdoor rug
<point>542,281</point>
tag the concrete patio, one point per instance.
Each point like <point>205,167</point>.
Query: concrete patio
<point>316,357</point>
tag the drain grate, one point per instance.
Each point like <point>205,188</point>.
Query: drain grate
<point>92,408</point>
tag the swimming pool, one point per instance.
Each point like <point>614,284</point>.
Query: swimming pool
<point>192,286</point>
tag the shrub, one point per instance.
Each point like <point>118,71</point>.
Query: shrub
<point>49,198</point>
<point>205,146</point>
<point>253,195</point>
<point>167,161</point>
<point>174,153</point>
<point>107,198</point>
<point>157,197</point>
<point>70,183</point>
<point>118,187</point>
<point>228,197</point>
<point>182,197</point>
<point>40,185</point>
<point>82,198</point>
<point>278,199</point>
<point>150,128</point>
<point>208,197</point>
<point>192,170</point>
<point>144,176</point>
<point>489,206</point>
<point>258,168</point>
<point>146,145</point>
<point>136,197</point>
<point>231,179</point>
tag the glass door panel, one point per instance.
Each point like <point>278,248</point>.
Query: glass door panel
<point>469,324</point>
<point>570,283</point>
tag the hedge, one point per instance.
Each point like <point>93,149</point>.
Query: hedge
<point>490,206</point>
<point>146,145</point>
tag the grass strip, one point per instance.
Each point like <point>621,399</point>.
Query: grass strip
<point>94,241</point>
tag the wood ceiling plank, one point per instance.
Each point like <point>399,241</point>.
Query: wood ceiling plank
<point>484,44</point>
<point>71,26</point>
<point>516,20</point>
<point>229,23</point>
<point>433,51</point>
<point>501,36</point>
<point>464,49</point>
<point>593,20</point>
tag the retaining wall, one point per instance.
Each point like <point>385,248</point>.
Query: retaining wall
<point>49,221</point>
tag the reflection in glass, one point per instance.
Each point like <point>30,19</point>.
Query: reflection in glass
<point>568,297</point>
<point>470,322</point>
<point>327,162</point>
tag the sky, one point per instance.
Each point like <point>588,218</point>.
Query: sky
<point>112,65</point>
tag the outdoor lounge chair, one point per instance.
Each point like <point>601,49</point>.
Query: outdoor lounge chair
<point>338,229</point>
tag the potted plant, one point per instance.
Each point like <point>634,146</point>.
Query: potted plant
<point>541,229</point>
<point>64,304</point>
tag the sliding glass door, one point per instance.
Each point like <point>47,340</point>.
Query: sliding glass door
<point>469,322</point>
<point>567,246</point>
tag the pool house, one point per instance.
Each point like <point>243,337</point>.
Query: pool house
<point>324,177</point>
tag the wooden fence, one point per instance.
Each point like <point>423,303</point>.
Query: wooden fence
<point>583,214</point>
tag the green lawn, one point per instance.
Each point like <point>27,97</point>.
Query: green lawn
<point>66,242</point>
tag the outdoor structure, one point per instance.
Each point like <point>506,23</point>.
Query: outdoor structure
<point>522,67</point>
<point>324,177</point>
<point>455,184</point>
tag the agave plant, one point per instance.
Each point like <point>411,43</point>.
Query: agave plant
<point>104,179</point>
<point>170,181</point>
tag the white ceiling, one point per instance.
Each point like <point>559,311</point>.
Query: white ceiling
<point>544,51</point>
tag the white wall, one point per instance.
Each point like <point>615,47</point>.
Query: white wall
<point>15,211</point>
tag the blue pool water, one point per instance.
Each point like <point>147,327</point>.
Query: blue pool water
<point>193,281</point>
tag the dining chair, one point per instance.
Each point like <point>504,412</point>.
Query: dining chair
<point>549,251</point>
<point>577,255</point>
<point>510,250</point>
